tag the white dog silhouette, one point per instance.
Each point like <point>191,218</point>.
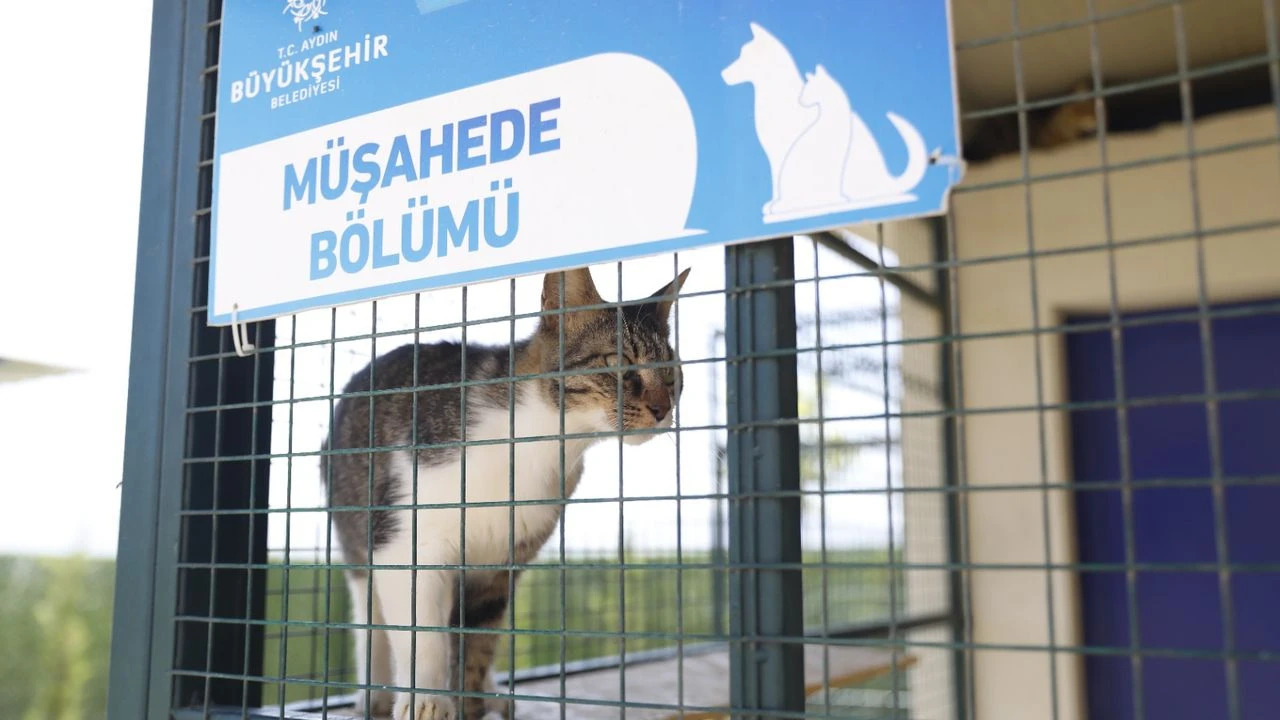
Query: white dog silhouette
<point>780,118</point>
<point>823,157</point>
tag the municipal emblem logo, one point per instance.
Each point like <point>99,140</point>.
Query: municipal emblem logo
<point>304,11</point>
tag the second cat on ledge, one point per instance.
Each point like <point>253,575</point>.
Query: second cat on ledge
<point>1047,127</point>
<point>599,344</point>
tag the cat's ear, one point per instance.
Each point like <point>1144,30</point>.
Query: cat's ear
<point>579,291</point>
<point>666,297</point>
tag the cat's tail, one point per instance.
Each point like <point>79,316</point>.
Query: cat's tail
<point>917,155</point>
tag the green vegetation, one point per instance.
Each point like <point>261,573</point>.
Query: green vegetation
<point>55,616</point>
<point>55,637</point>
<point>657,600</point>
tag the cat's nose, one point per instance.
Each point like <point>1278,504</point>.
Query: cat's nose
<point>659,410</point>
<point>658,400</point>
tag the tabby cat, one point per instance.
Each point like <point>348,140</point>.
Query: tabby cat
<point>1046,128</point>
<point>602,391</point>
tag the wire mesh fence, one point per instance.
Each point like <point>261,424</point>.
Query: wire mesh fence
<point>1018,462</point>
<point>649,556</point>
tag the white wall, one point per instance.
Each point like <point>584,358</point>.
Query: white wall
<point>1236,191</point>
<point>923,508</point>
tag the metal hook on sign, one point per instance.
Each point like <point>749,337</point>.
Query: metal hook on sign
<point>957,165</point>
<point>241,342</point>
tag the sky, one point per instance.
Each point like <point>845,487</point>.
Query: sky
<point>66,289</point>
<point>74,80</point>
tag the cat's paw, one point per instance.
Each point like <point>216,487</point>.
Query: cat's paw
<point>423,707</point>
<point>498,709</point>
<point>378,703</point>
<point>490,708</point>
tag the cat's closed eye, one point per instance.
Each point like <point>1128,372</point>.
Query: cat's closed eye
<point>616,360</point>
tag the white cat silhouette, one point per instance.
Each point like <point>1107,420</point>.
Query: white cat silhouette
<point>820,163</point>
<point>866,175</point>
<point>812,177</point>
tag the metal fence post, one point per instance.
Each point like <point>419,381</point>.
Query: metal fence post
<point>149,393</point>
<point>956,516</point>
<point>143,631</point>
<point>193,542</point>
<point>765,593</point>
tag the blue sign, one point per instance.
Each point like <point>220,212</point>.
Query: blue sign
<point>365,150</point>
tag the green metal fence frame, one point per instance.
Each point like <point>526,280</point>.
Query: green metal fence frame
<point>168,326</point>
<point>142,627</point>
<point>764,474</point>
